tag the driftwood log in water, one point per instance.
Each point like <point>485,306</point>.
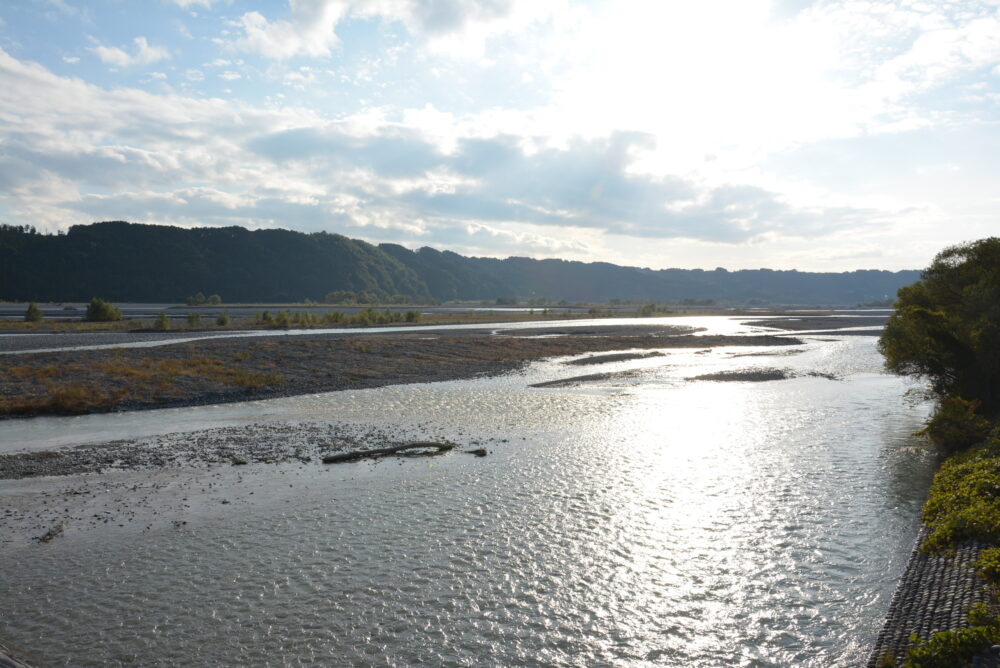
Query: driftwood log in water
<point>417,448</point>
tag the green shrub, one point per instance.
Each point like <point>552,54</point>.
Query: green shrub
<point>304,319</point>
<point>988,565</point>
<point>955,424</point>
<point>33,314</point>
<point>215,300</point>
<point>283,320</point>
<point>964,499</point>
<point>224,320</point>
<point>412,316</point>
<point>194,319</point>
<point>162,321</point>
<point>99,310</point>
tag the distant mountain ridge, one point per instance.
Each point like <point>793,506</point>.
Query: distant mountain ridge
<point>123,261</point>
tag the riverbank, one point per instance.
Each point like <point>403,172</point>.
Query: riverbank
<point>945,611</point>
<point>227,370</point>
<point>936,594</point>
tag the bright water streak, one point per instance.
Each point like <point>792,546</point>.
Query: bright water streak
<point>649,521</point>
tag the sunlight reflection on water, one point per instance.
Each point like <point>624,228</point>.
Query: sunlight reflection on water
<point>646,521</point>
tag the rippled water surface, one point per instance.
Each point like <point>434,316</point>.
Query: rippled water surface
<point>650,520</point>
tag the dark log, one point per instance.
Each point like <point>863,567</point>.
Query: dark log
<point>50,534</point>
<point>399,450</point>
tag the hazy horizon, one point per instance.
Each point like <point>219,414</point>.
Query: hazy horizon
<point>818,136</point>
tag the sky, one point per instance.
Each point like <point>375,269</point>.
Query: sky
<point>819,136</point>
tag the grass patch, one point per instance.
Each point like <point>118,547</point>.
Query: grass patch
<point>76,387</point>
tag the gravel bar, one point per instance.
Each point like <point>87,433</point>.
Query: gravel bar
<point>936,593</point>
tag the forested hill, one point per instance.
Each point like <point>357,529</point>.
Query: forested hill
<point>151,263</point>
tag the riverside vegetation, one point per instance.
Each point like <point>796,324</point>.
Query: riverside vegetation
<point>946,330</point>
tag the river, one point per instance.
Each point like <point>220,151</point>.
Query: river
<point>643,520</point>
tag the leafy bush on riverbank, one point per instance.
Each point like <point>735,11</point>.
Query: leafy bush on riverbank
<point>988,565</point>
<point>99,310</point>
<point>33,314</point>
<point>964,500</point>
<point>955,424</point>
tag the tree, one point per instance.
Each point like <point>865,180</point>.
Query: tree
<point>33,314</point>
<point>162,321</point>
<point>946,326</point>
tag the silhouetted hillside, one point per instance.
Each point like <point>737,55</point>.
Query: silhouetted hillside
<point>130,262</point>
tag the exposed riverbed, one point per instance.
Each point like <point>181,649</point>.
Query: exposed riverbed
<point>637,518</point>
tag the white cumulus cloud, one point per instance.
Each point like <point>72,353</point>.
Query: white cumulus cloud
<point>143,54</point>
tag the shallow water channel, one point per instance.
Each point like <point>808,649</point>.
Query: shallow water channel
<point>643,520</point>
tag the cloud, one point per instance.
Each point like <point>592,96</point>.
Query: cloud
<point>454,26</point>
<point>309,31</point>
<point>587,184</point>
<point>76,152</point>
<point>72,60</point>
<point>144,54</point>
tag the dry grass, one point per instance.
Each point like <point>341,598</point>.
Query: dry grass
<point>77,387</point>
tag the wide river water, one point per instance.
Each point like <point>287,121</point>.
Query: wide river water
<point>649,520</point>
